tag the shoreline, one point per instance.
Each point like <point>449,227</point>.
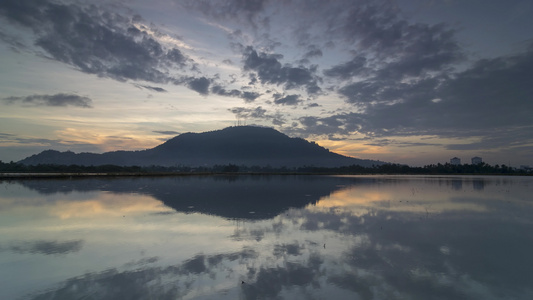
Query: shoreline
<point>66,175</point>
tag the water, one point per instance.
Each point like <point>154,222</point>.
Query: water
<point>267,237</point>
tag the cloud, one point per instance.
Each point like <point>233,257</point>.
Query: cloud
<point>152,88</point>
<point>96,40</point>
<point>270,71</point>
<point>313,52</point>
<point>51,100</point>
<point>497,90</point>
<point>200,85</point>
<point>249,113</point>
<point>246,96</point>
<point>376,26</point>
<point>219,90</point>
<point>488,102</point>
<point>250,96</point>
<point>287,100</point>
<point>245,11</point>
<point>388,142</point>
<point>166,132</point>
<point>258,113</point>
<point>349,69</point>
<point>176,56</point>
<point>46,247</point>
<point>15,42</point>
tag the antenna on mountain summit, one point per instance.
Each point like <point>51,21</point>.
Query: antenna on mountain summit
<point>240,123</point>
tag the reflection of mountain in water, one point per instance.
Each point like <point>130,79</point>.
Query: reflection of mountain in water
<point>240,197</point>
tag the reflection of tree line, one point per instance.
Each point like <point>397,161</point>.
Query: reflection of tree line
<point>477,184</point>
<point>481,168</point>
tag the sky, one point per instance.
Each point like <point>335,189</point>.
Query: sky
<point>413,82</point>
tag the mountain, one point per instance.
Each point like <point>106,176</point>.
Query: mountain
<point>241,145</point>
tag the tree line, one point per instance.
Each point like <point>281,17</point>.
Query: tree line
<point>433,169</point>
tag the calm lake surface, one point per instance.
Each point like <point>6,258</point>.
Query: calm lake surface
<point>267,237</point>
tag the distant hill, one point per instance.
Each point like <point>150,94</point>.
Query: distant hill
<point>242,145</point>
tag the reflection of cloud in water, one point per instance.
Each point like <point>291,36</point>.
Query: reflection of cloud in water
<point>293,249</point>
<point>145,280</point>
<point>44,247</point>
<point>381,258</point>
<point>398,255</point>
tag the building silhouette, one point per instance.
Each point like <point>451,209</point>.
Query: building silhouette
<point>455,161</point>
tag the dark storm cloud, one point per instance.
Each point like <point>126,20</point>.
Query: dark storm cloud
<point>269,70</point>
<point>51,100</point>
<point>94,40</point>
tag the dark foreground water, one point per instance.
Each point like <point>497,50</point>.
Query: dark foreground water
<point>277,237</point>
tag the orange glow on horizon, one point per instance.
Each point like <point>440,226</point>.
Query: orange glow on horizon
<point>351,148</point>
<point>111,140</point>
